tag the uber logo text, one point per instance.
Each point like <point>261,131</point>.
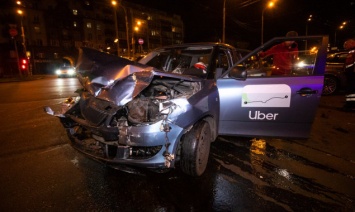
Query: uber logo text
<point>261,116</point>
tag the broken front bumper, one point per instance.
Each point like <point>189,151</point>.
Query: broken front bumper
<point>151,146</point>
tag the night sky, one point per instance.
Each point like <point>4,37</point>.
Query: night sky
<point>203,18</point>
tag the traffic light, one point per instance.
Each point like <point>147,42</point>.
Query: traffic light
<point>23,64</point>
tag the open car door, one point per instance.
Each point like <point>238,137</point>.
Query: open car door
<point>254,102</point>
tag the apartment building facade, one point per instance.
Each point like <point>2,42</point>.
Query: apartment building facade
<point>54,30</point>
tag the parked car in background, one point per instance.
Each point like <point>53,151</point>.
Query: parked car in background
<point>164,111</point>
<point>66,71</point>
<point>334,76</point>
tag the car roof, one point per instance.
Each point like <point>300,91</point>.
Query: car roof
<point>337,52</point>
<point>202,44</point>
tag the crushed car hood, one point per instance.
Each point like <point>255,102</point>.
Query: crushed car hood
<point>117,79</point>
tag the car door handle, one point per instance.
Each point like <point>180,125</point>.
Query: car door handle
<point>306,92</point>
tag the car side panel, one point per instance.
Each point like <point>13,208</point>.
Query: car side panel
<point>268,106</point>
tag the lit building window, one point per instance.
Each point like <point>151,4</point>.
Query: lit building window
<point>176,29</point>
<point>98,27</point>
<point>88,25</point>
<point>75,24</point>
<point>37,29</point>
<point>75,12</point>
<point>154,33</point>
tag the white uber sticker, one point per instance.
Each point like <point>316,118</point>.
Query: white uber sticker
<point>274,95</point>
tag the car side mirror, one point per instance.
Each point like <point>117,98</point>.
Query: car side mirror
<point>238,72</point>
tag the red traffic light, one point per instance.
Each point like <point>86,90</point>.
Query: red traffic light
<point>23,64</point>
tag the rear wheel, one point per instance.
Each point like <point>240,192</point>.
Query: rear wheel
<point>195,149</point>
<point>330,85</point>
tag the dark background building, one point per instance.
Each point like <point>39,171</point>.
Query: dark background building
<point>54,30</point>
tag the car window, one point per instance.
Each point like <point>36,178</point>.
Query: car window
<point>303,64</point>
<point>189,60</point>
<point>222,60</point>
<point>281,58</point>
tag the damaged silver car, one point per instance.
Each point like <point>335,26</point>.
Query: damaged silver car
<point>165,110</point>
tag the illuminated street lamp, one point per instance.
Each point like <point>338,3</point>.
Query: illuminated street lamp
<point>114,4</point>
<point>127,36</point>
<point>335,33</point>
<point>136,29</point>
<point>308,20</point>
<point>20,12</point>
<point>224,21</point>
<point>269,5</point>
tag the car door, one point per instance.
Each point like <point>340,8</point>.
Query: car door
<point>267,105</point>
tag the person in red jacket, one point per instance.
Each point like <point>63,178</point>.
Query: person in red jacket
<point>349,69</point>
<point>284,55</point>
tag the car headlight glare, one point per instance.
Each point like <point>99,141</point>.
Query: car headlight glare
<point>71,71</point>
<point>301,64</point>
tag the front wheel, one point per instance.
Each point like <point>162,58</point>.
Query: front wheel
<point>195,149</point>
<point>330,85</point>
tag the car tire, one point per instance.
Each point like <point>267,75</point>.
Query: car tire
<point>330,85</point>
<point>195,149</point>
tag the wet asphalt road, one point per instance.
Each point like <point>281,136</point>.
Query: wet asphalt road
<point>41,172</point>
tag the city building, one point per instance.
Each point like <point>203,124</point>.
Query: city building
<point>50,32</point>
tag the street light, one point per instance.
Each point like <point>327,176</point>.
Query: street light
<point>114,3</point>
<point>335,32</point>
<point>127,36</point>
<point>136,29</point>
<point>269,5</point>
<point>308,20</point>
<point>224,21</point>
<point>20,12</point>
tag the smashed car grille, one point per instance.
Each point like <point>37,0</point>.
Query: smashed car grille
<point>111,150</point>
<point>97,111</point>
<point>94,115</point>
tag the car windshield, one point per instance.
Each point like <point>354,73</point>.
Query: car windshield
<point>181,60</point>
